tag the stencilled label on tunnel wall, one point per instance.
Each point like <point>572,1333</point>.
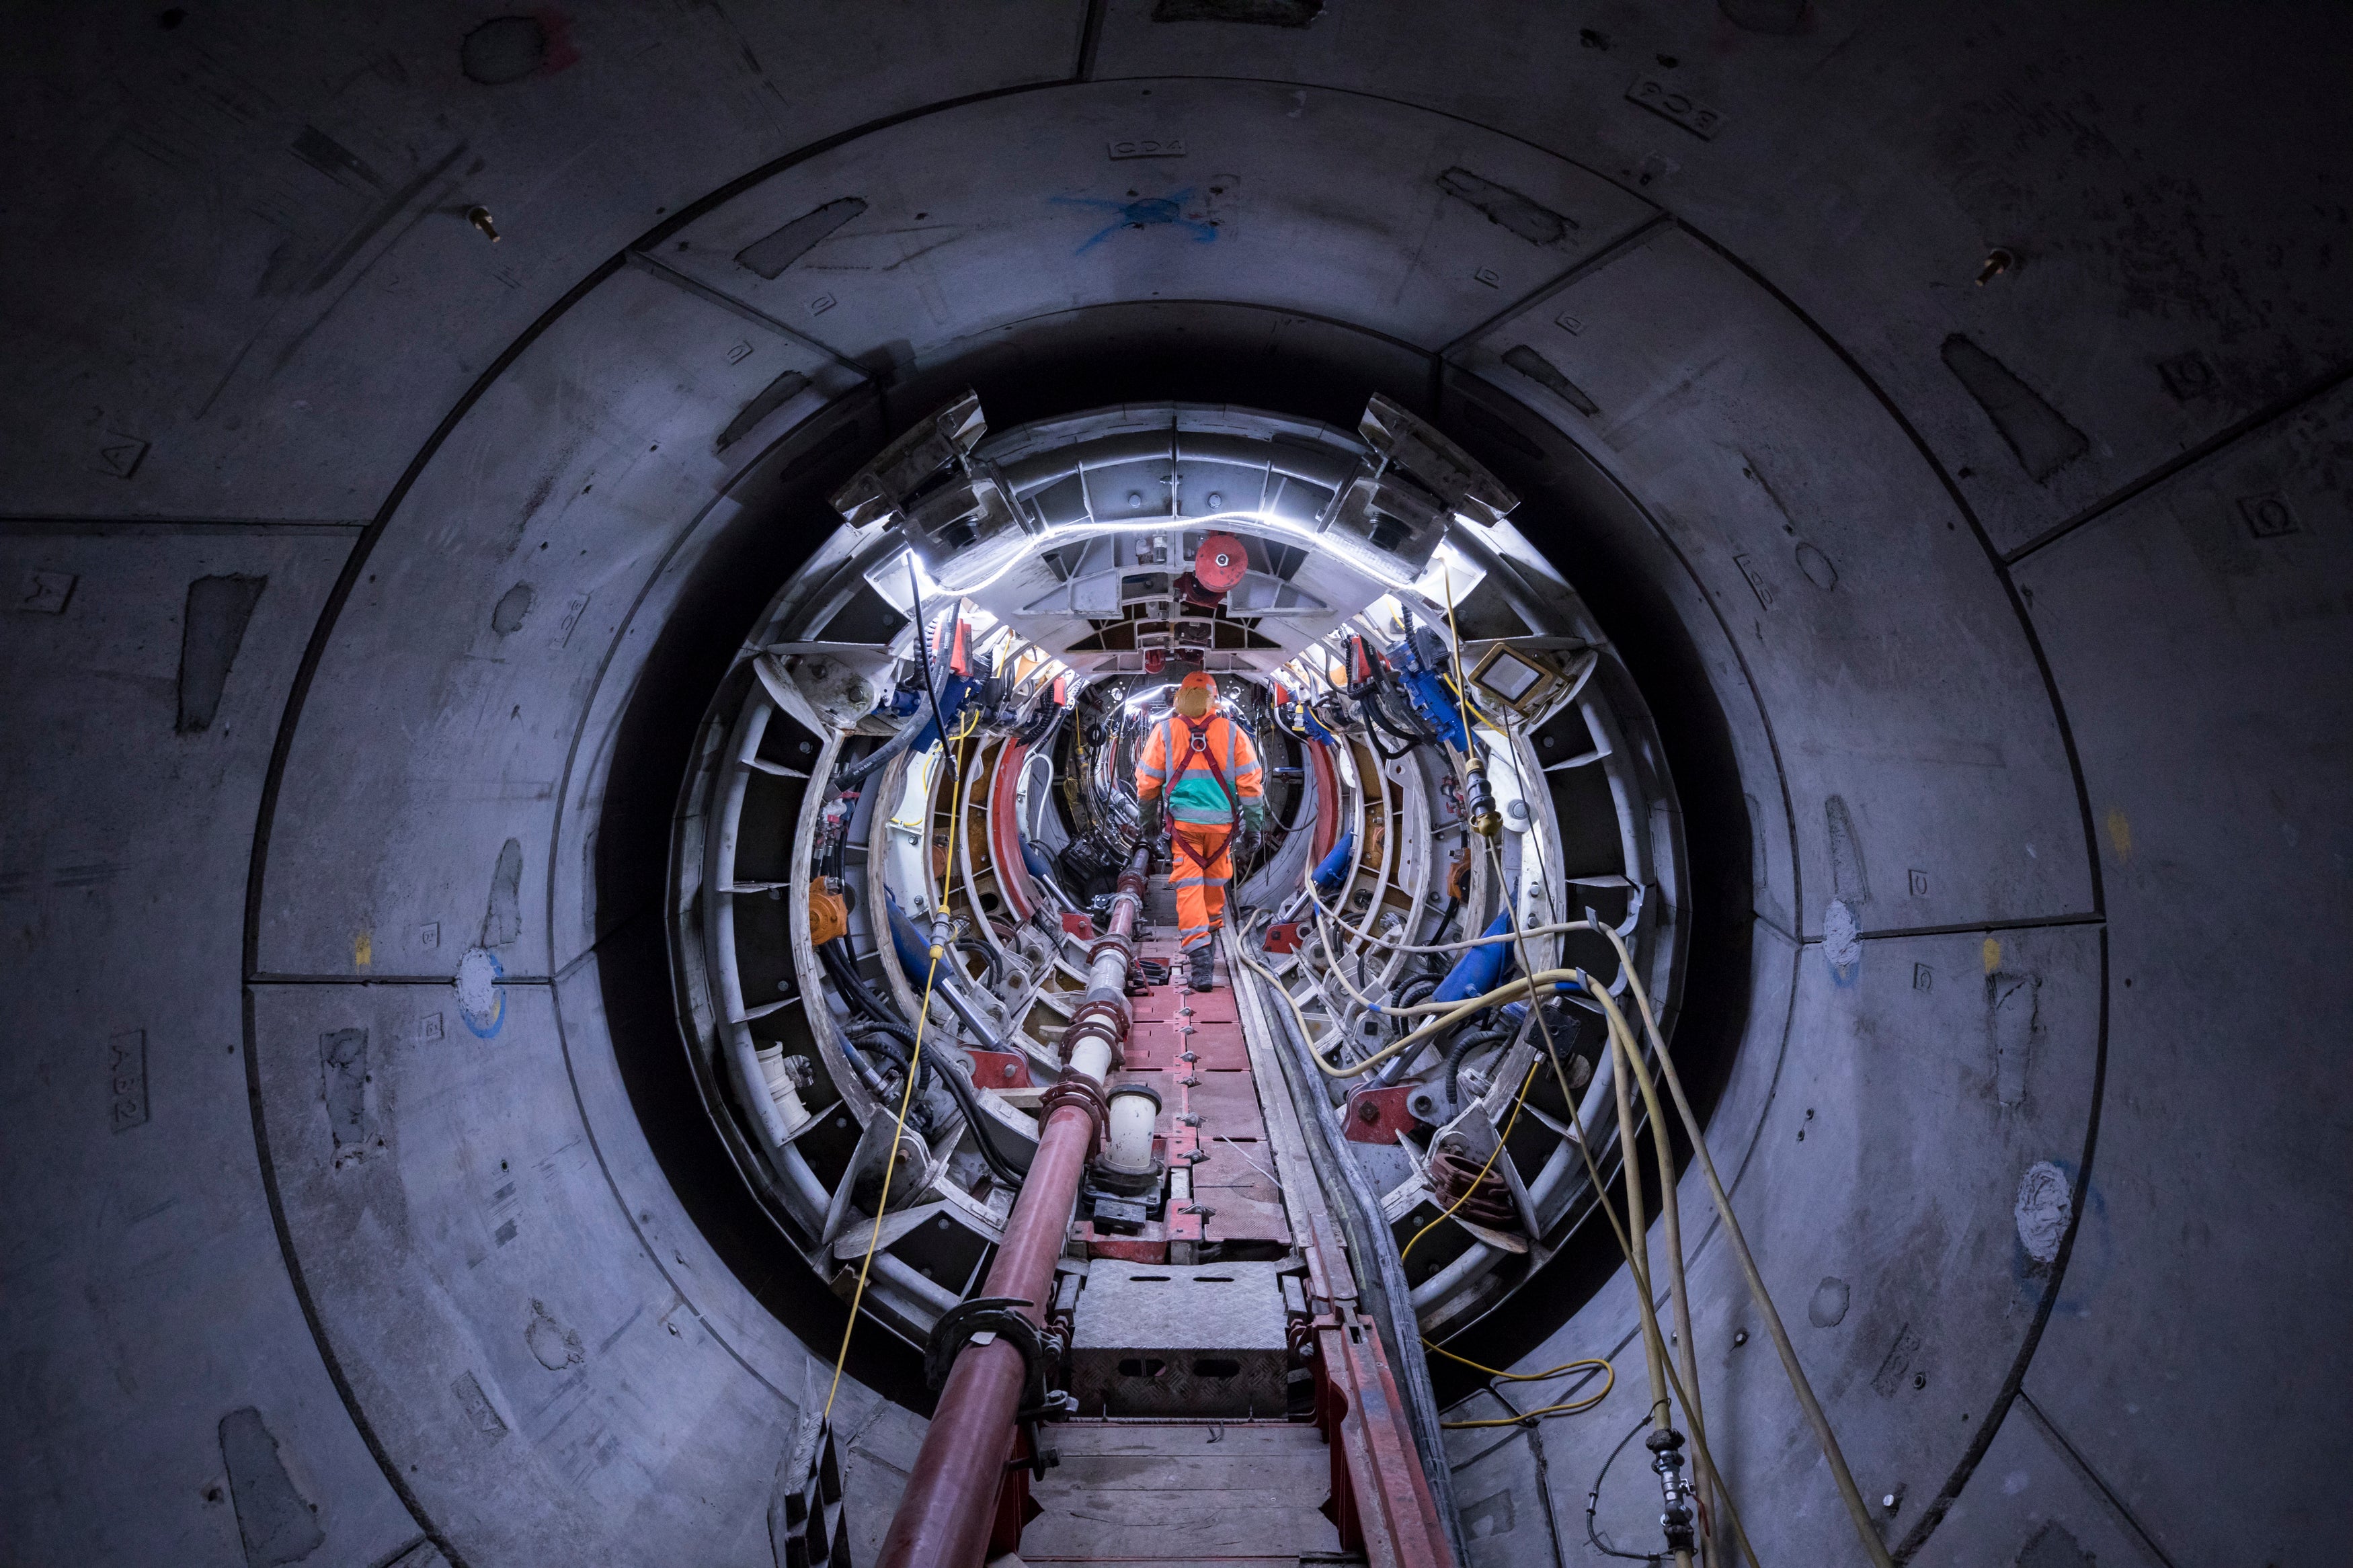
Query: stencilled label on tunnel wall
<point>1147,147</point>
<point>126,1070</point>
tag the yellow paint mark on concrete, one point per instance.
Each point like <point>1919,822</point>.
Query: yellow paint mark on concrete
<point>1993,953</point>
<point>2120,833</point>
<point>363,949</point>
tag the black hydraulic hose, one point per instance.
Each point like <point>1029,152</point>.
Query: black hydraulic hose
<point>1445,918</point>
<point>983,1135</point>
<point>931,689</point>
<point>1411,727</point>
<point>1593,1500</point>
<point>865,767</point>
<point>870,1012</point>
<point>1415,991</point>
<point>901,1049</point>
<point>984,1132</point>
<point>1470,1041</point>
<point>988,955</point>
<point>859,772</point>
<point>877,1021</point>
<point>840,965</point>
<point>1044,734</point>
<point>1374,730</point>
<point>883,1021</point>
<point>1411,994</point>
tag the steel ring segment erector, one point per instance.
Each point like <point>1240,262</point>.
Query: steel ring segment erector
<point>929,747</point>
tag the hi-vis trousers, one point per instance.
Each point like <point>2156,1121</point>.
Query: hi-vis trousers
<point>1199,868</point>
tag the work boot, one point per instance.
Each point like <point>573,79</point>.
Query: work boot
<point>1202,962</point>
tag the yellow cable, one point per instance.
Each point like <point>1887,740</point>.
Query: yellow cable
<point>1620,1036</point>
<point>1565,1407</point>
<point>1460,697</point>
<point>1514,1120</point>
<point>1509,992</point>
<point>1502,1376</point>
<point>1462,946</point>
<point>907,1094</point>
<point>883,1204</point>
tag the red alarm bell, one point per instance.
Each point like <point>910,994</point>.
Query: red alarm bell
<point>1219,564</point>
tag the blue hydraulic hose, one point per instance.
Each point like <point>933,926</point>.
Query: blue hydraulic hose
<point>1336,865</point>
<point>1478,970</point>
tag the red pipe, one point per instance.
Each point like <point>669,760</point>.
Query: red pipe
<point>944,1516</point>
<point>950,1504</point>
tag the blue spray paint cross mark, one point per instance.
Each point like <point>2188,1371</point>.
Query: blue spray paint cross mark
<point>1146,213</point>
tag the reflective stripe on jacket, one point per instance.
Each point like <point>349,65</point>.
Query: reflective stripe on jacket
<point>1170,761</point>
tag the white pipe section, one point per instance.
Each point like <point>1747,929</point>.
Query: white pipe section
<point>1092,1058</point>
<point>1129,1144</point>
<point>781,1087</point>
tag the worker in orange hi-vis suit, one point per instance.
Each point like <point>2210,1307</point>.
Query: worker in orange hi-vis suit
<point>1199,773</point>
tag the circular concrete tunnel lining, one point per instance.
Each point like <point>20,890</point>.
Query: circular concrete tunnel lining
<point>499,1218</point>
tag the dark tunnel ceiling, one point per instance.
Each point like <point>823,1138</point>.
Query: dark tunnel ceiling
<point>2013,596</point>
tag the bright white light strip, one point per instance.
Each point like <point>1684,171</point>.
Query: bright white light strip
<point>1448,569</point>
<point>1019,547</point>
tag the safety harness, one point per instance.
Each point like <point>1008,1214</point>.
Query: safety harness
<point>1198,747</point>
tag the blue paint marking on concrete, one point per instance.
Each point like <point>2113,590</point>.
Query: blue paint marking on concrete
<point>482,1026</point>
<point>1843,943</point>
<point>1148,212</point>
<point>2093,1258</point>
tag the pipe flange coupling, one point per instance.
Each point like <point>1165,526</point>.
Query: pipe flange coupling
<point>1105,1018</point>
<point>1005,1317</point>
<point>1129,1184</point>
<point>1114,942</point>
<point>1077,1091</point>
<point>1112,1011</point>
<point>1142,1090</point>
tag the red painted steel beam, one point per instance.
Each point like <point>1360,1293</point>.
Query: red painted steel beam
<point>1328,802</point>
<point>1380,1495</point>
<point>1005,829</point>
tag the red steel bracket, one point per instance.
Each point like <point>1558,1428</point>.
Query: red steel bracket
<point>999,1070</point>
<point>1378,1114</point>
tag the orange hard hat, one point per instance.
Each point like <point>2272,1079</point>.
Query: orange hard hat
<point>1195,694</point>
